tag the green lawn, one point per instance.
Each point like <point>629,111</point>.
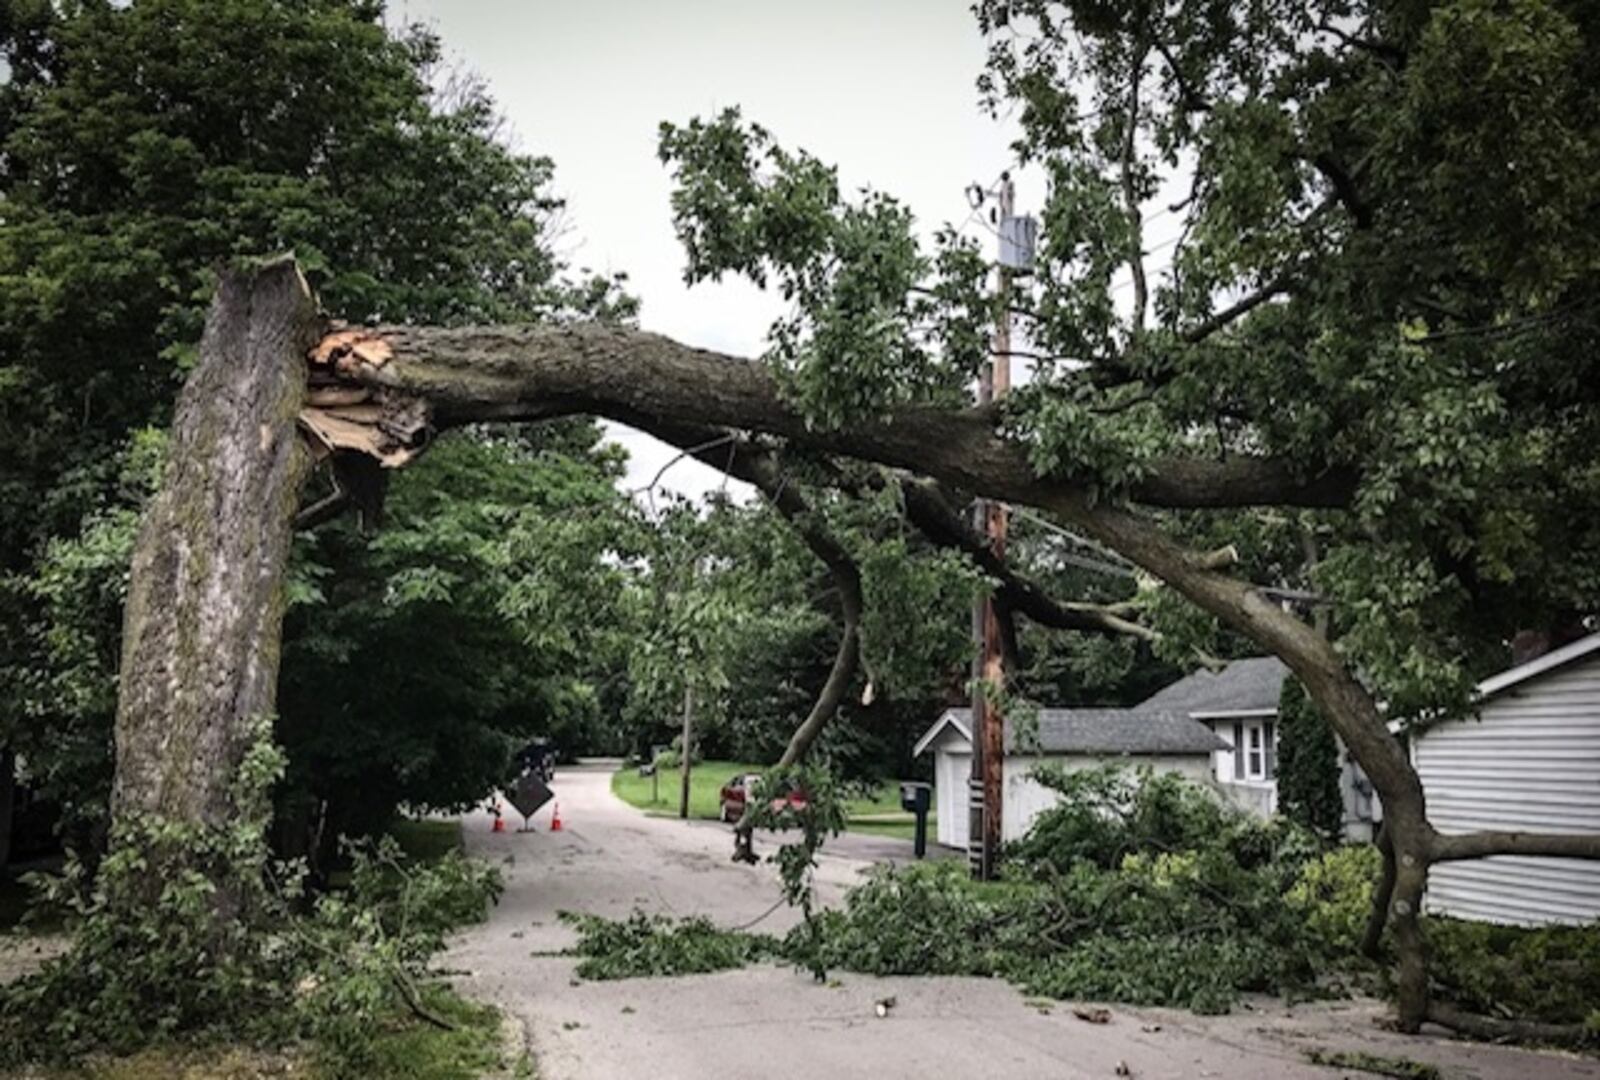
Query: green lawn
<point>429,839</point>
<point>705,784</point>
<point>879,813</point>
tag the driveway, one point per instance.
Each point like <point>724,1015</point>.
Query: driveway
<point>610,858</point>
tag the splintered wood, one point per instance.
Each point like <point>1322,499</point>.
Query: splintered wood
<point>341,415</point>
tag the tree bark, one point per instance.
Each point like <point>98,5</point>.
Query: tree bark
<point>1372,940</point>
<point>1411,948</point>
<point>204,613</point>
<point>1477,845</point>
<point>486,373</point>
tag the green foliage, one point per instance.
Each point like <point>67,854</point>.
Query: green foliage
<point>1420,276</point>
<point>497,558</point>
<point>1377,1064</point>
<point>655,945</point>
<point>1308,764</point>
<point>146,144</point>
<point>193,932</point>
<point>359,953</point>
<point>1551,973</point>
<point>901,586</point>
<point>865,337</point>
<point>1168,898</point>
<point>1333,894</point>
<point>1108,813</point>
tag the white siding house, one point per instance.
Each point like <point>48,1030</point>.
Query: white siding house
<point>1218,726</point>
<point>1070,739</point>
<point>1529,760</point>
<point>1240,704</point>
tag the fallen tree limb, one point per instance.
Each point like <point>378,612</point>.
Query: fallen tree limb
<point>1479,845</point>
<point>741,458</point>
<point>489,373</point>
<point>1496,1029</point>
<point>930,510</point>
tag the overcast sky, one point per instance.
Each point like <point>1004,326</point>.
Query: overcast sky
<point>884,89</point>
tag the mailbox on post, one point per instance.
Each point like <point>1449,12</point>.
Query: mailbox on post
<point>917,797</point>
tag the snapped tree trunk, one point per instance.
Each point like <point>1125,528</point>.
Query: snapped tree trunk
<point>204,613</point>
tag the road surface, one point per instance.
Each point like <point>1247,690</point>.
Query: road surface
<point>610,858</point>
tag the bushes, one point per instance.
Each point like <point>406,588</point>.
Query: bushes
<point>340,972</point>
<point>1108,813</point>
<point>1551,973</point>
<point>1334,895</point>
<point>1137,888</point>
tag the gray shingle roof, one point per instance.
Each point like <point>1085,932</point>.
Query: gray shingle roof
<point>1113,731</point>
<point>1250,684</point>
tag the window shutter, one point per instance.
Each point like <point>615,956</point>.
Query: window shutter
<point>1238,751</point>
<point>1270,737</point>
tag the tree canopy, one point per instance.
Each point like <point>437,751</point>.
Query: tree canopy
<point>1360,378</point>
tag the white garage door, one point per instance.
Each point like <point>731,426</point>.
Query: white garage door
<point>951,774</point>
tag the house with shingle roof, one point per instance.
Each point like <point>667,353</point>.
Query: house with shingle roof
<point>1218,727</point>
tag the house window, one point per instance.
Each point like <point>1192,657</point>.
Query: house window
<point>1255,750</point>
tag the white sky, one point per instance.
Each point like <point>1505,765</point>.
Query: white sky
<point>884,90</point>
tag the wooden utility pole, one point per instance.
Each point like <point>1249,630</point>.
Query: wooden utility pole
<point>987,784</point>
<point>688,749</point>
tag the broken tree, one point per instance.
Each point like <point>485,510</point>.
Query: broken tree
<point>204,612</point>
<point>206,602</point>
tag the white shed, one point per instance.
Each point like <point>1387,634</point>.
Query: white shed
<point>1067,738</point>
<point>1529,760</point>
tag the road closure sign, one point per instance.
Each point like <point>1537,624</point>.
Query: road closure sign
<point>529,794</point>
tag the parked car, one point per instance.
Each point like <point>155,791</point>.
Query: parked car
<point>738,789</point>
<point>539,758</point>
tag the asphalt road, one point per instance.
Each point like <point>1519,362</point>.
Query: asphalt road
<point>611,858</point>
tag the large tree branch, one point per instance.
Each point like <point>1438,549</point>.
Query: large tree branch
<point>487,373</point>
<point>1496,1029</point>
<point>926,506</point>
<point>756,465</point>
<point>1347,704</point>
<point>1382,894</point>
<point>473,374</point>
<point>1480,845</point>
<point>930,510</point>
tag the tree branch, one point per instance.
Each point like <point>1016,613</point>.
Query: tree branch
<point>928,508</point>
<point>1496,1029</point>
<point>741,458</point>
<point>1344,187</point>
<point>499,373</point>
<point>1479,845</point>
<point>1236,311</point>
<point>1383,893</point>
<point>488,373</point>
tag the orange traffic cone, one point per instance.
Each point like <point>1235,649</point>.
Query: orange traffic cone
<point>499,822</point>
<point>555,818</point>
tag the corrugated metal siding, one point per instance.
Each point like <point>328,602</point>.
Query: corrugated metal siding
<point>1532,762</point>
